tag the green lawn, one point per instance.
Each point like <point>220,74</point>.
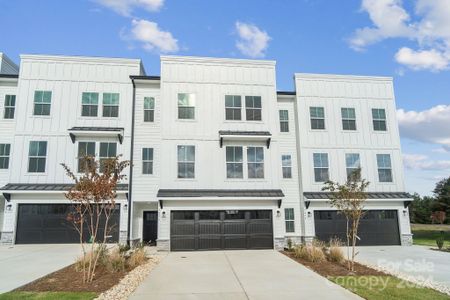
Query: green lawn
<point>386,288</point>
<point>48,295</point>
<point>426,234</point>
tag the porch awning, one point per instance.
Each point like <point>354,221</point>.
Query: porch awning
<point>370,195</point>
<point>188,193</point>
<point>76,132</point>
<point>229,135</point>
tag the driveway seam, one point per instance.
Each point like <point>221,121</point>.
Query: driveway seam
<point>235,275</point>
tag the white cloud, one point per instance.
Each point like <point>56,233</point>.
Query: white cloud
<point>252,41</point>
<point>422,162</point>
<point>429,126</point>
<point>126,7</point>
<point>152,37</point>
<point>422,60</point>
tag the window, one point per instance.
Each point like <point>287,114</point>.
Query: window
<point>147,160</point>
<point>384,167</point>
<point>10,105</point>
<point>110,105</point>
<point>255,162</point>
<point>85,149</point>
<point>233,107</point>
<point>289,219</point>
<point>348,118</point>
<point>321,173</point>
<point>379,119</point>
<point>186,161</point>
<point>352,163</point>
<point>42,103</point>
<point>253,108</point>
<point>37,154</point>
<point>286,165</point>
<point>107,151</point>
<point>186,106</point>
<point>149,109</point>
<point>284,120</point>
<point>89,104</point>
<point>234,162</point>
<point>317,115</point>
<point>5,150</point>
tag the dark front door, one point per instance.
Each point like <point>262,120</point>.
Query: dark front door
<point>150,228</point>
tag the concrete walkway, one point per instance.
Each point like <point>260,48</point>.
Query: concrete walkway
<point>21,264</point>
<point>249,274</point>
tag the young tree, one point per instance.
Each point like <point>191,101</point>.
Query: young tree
<point>349,199</point>
<point>94,199</point>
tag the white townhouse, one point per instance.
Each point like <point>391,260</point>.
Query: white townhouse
<point>220,159</point>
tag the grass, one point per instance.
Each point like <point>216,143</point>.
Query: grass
<point>48,295</point>
<point>426,234</point>
<point>386,288</point>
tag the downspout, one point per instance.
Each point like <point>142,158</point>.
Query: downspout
<point>130,182</point>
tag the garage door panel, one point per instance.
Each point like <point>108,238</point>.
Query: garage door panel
<point>183,228</point>
<point>213,242</point>
<point>234,227</point>
<point>235,242</point>
<point>260,242</point>
<point>210,227</point>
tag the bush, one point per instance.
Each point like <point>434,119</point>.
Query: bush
<point>116,261</point>
<point>440,242</point>
<point>82,262</point>
<point>137,258</point>
<point>123,248</point>
<point>313,253</point>
<point>335,253</point>
<point>289,244</point>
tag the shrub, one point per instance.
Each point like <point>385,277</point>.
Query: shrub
<point>335,253</point>
<point>137,258</point>
<point>289,244</point>
<point>82,262</point>
<point>123,248</point>
<point>312,253</point>
<point>116,261</point>
<point>440,242</point>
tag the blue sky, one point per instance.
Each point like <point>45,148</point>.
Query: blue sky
<point>409,40</point>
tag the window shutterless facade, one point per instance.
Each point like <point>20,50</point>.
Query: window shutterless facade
<point>89,104</point>
<point>10,106</point>
<point>321,172</point>
<point>186,106</point>
<point>5,150</point>
<point>110,105</point>
<point>107,151</point>
<point>289,219</point>
<point>149,109</point>
<point>379,119</point>
<point>384,167</point>
<point>352,163</point>
<point>85,149</point>
<point>147,160</point>
<point>233,107</point>
<point>42,103</point>
<point>37,154</point>
<point>284,120</point>
<point>348,118</point>
<point>286,165</point>
<point>253,108</point>
<point>186,161</point>
<point>317,115</point>
<point>255,162</point>
<point>234,161</point>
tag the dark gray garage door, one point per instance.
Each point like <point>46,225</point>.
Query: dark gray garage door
<point>377,227</point>
<point>215,230</point>
<point>47,224</point>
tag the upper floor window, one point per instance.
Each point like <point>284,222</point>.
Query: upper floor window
<point>149,109</point>
<point>379,119</point>
<point>253,108</point>
<point>348,118</point>
<point>10,106</point>
<point>186,106</point>
<point>384,167</point>
<point>317,115</point>
<point>107,151</point>
<point>289,219</point>
<point>286,165</point>
<point>147,160</point>
<point>352,163</point>
<point>284,120</point>
<point>186,161</point>
<point>85,149</point>
<point>234,161</point>
<point>110,105</point>
<point>5,150</point>
<point>233,107</point>
<point>37,154</point>
<point>42,103</point>
<point>89,104</point>
<point>321,173</point>
<point>255,162</point>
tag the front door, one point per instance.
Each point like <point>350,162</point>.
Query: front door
<point>150,228</point>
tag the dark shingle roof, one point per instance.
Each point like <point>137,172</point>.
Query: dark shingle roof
<point>47,187</point>
<point>370,195</point>
<point>184,193</point>
<point>230,132</point>
<point>96,129</point>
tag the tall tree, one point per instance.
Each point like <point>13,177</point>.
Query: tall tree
<point>442,195</point>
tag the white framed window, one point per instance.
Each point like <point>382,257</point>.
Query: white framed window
<point>186,106</point>
<point>352,163</point>
<point>234,162</point>
<point>286,165</point>
<point>348,118</point>
<point>5,150</point>
<point>289,219</point>
<point>186,161</point>
<point>379,119</point>
<point>42,103</point>
<point>321,172</point>
<point>317,115</point>
<point>147,160</point>
<point>233,107</point>
<point>85,149</point>
<point>89,104</point>
<point>110,105</point>
<point>10,106</point>
<point>255,162</point>
<point>284,120</point>
<point>149,109</point>
<point>253,108</point>
<point>384,167</point>
<point>37,156</point>
<point>108,150</point>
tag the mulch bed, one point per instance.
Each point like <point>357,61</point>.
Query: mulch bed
<point>328,268</point>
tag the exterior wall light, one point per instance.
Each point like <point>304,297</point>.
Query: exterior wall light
<point>163,214</point>
<point>125,207</point>
<point>405,212</point>
<point>309,214</point>
<point>9,207</point>
<point>278,213</point>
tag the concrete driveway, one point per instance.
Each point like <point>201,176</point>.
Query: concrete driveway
<point>417,261</point>
<point>21,264</point>
<point>249,274</point>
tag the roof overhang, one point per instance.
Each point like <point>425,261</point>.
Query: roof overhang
<point>371,196</point>
<point>219,194</point>
<point>259,136</point>
<point>80,132</point>
<point>47,188</point>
